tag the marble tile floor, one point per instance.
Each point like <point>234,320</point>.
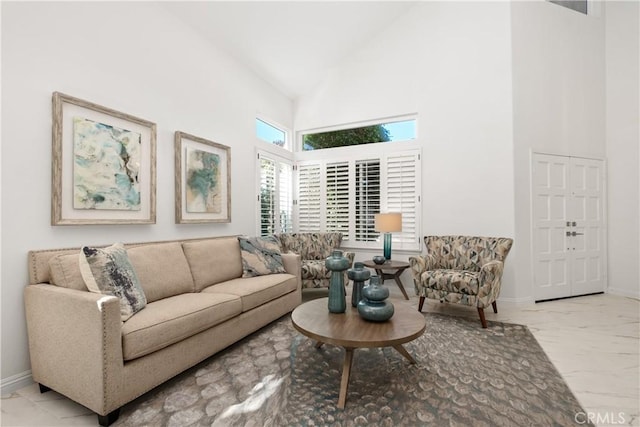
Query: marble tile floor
<point>593,341</point>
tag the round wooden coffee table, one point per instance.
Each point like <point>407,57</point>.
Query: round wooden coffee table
<point>350,331</point>
<point>397,266</point>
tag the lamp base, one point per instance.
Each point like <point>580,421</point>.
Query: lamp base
<point>387,246</point>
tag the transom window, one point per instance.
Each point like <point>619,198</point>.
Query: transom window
<point>271,134</point>
<point>399,130</point>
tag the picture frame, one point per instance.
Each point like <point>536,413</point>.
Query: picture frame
<point>103,165</point>
<point>202,180</point>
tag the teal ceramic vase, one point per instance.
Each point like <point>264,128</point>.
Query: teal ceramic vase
<point>359,275</point>
<point>337,263</point>
<point>373,306</point>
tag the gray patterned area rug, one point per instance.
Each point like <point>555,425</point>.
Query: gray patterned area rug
<point>464,376</point>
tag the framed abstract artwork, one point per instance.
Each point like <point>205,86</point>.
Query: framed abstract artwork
<point>104,165</point>
<point>203,180</point>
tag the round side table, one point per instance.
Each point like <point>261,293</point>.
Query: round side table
<point>397,266</point>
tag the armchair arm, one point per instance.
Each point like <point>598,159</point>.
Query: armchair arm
<point>421,263</point>
<point>75,344</point>
<point>293,264</point>
<point>490,281</point>
<point>350,256</point>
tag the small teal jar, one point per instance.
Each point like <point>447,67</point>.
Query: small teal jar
<point>337,263</point>
<point>359,275</point>
<point>373,306</point>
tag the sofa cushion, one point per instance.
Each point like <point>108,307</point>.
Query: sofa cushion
<point>170,320</point>
<point>255,291</point>
<point>64,271</point>
<point>458,281</point>
<point>163,270</point>
<point>213,260</point>
<point>108,271</point>
<point>260,256</point>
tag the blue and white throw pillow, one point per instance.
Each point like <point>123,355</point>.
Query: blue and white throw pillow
<point>260,256</point>
<point>108,271</point>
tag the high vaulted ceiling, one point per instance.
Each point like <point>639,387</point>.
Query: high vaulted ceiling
<point>291,44</point>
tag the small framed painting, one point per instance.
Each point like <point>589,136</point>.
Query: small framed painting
<point>203,180</point>
<point>104,165</point>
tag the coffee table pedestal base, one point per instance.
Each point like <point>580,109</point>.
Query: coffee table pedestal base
<point>346,369</point>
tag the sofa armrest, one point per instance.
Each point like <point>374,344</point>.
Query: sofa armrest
<point>293,264</point>
<point>490,280</point>
<point>75,344</point>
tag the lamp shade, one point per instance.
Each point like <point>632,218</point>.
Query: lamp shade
<point>388,222</point>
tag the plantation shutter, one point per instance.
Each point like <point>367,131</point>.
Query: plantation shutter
<point>337,198</point>
<point>402,195</point>
<point>275,194</point>
<point>267,195</point>
<point>367,199</point>
<point>285,187</point>
<point>309,197</point>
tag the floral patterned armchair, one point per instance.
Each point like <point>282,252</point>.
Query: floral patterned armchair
<point>461,269</point>
<point>313,249</point>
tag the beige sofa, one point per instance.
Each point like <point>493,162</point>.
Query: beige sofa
<point>197,304</point>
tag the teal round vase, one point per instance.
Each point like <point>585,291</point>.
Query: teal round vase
<point>373,306</point>
<point>337,299</point>
<point>359,275</point>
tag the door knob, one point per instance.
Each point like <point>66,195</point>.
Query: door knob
<point>573,233</point>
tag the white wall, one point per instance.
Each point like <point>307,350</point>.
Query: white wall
<point>558,100</point>
<point>449,62</point>
<point>135,58</point>
<point>623,145</point>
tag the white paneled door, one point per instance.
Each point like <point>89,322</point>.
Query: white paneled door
<point>568,226</point>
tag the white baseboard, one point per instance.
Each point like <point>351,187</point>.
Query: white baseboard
<point>516,301</point>
<point>15,382</point>
<point>624,293</point>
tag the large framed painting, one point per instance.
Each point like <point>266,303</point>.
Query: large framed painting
<point>104,165</point>
<point>203,180</point>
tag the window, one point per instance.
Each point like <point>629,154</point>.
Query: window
<point>271,134</point>
<point>275,194</point>
<point>345,194</point>
<point>400,130</point>
<point>577,5</point>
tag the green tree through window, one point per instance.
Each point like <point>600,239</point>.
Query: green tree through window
<point>343,138</point>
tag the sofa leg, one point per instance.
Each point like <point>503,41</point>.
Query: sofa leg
<point>495,307</point>
<point>43,388</point>
<point>482,319</point>
<point>420,304</point>
<point>110,418</point>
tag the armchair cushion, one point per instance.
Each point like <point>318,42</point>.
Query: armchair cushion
<point>315,269</point>
<point>460,281</point>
